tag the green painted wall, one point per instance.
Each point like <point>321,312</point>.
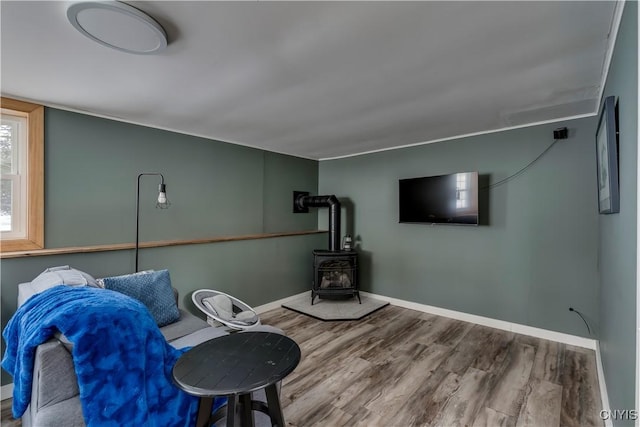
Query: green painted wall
<point>618,245</point>
<point>279,185</point>
<point>536,257</point>
<point>216,189</point>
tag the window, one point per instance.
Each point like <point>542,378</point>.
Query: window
<point>13,186</point>
<point>22,181</point>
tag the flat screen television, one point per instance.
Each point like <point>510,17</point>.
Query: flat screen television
<point>442,199</point>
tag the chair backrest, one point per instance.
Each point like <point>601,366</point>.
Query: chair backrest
<point>225,309</point>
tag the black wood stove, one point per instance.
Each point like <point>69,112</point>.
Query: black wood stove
<point>335,274</point>
<point>335,271</point>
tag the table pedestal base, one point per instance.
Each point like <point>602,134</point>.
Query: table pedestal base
<point>239,410</point>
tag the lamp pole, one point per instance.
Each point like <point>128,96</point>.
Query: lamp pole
<point>162,203</point>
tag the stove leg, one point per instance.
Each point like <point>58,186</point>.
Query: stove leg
<point>358,295</point>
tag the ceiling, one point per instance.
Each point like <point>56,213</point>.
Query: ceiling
<point>321,79</point>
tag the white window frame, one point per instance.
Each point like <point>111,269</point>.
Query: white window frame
<point>28,203</point>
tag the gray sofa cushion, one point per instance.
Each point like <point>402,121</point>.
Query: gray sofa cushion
<point>198,337</point>
<point>56,379</point>
<point>67,413</point>
<point>187,324</point>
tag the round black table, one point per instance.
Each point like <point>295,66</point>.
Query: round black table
<point>234,366</point>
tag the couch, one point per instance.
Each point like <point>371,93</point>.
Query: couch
<point>55,397</point>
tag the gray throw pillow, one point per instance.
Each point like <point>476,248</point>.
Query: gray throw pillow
<point>153,289</point>
<point>62,275</point>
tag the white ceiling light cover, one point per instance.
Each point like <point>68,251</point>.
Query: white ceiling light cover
<point>119,26</point>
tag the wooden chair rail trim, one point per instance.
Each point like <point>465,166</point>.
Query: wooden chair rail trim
<point>155,244</point>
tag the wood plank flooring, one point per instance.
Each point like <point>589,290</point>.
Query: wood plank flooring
<point>399,367</point>
<point>6,419</point>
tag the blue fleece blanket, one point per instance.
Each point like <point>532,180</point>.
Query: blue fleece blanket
<point>122,361</point>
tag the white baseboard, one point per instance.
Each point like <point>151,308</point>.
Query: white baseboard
<point>6,391</point>
<point>276,304</point>
<point>604,395</point>
<point>492,323</point>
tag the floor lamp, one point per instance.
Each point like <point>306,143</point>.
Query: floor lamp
<point>162,203</point>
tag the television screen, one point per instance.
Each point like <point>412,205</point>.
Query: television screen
<point>443,199</point>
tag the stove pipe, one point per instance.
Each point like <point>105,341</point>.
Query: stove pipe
<point>333,204</point>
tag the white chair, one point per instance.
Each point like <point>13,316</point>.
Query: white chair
<point>223,309</point>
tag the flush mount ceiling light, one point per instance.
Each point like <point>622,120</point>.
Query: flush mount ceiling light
<point>119,26</point>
